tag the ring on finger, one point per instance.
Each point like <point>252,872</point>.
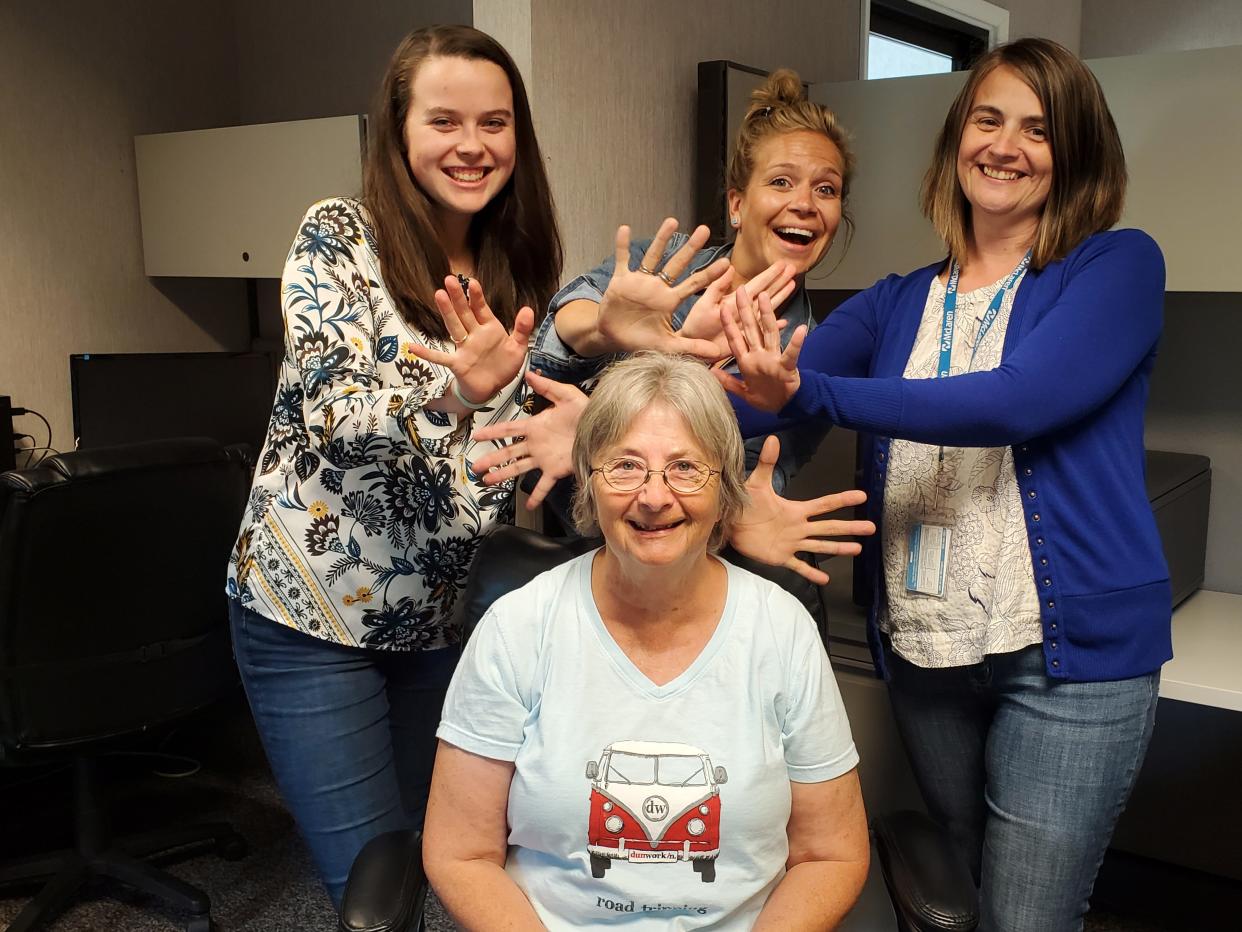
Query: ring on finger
<point>664,278</point>
<point>457,342</point>
<point>647,271</point>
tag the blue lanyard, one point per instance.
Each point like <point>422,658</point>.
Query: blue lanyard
<point>989,316</point>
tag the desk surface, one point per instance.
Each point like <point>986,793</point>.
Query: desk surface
<point>1206,668</point>
<point>1207,652</point>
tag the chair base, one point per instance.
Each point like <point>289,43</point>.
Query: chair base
<point>66,872</point>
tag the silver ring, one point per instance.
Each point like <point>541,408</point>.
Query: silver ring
<point>664,278</point>
<point>647,271</point>
<point>457,342</point>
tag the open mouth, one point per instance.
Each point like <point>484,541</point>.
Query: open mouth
<point>467,175</point>
<point>645,528</point>
<point>797,236</point>
<point>999,174</point>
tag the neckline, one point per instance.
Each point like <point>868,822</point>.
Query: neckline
<point>621,661</point>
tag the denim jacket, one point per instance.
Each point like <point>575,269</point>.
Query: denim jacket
<point>558,361</point>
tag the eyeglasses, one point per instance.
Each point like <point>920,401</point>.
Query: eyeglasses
<point>630,475</point>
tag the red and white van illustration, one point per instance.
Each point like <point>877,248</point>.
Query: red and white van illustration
<point>654,801</point>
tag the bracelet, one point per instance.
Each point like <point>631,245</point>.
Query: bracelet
<point>473,406</point>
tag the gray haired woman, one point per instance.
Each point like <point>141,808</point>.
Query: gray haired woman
<point>697,696</point>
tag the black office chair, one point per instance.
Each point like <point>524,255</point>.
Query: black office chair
<point>929,884</point>
<point>113,622</point>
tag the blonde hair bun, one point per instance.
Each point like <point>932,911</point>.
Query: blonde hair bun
<point>782,88</point>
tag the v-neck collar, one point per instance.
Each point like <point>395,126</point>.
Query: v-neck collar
<point>625,667</point>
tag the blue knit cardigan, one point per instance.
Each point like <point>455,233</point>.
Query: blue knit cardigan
<point>1068,397</point>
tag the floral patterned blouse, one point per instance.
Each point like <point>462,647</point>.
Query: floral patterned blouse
<point>990,604</point>
<point>364,515</point>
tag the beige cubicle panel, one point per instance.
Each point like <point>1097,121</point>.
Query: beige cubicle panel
<point>226,202</point>
<point>1180,123</point>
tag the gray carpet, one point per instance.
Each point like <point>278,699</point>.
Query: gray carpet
<point>273,889</point>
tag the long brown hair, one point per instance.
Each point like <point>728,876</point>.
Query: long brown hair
<point>514,238</point>
<point>1088,165</point>
<point>777,106</point>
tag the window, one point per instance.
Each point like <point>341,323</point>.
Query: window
<point>909,37</point>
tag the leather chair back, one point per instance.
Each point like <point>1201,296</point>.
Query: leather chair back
<point>508,558</point>
<point>113,616</point>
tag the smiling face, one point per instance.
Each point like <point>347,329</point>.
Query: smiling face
<point>655,526</point>
<point>791,207</point>
<point>459,133</point>
<point>1004,160</point>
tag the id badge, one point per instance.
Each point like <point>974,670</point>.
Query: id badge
<point>927,558</point>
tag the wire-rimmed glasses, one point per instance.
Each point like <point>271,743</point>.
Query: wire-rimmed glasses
<point>626,474</point>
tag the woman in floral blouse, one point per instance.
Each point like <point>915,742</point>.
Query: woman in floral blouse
<point>365,514</point>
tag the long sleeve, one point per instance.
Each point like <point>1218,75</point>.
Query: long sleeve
<point>334,313</point>
<point>1101,327</point>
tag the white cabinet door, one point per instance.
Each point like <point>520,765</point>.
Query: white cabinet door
<point>226,202</point>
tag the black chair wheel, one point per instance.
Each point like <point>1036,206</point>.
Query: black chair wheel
<point>199,924</point>
<point>232,847</point>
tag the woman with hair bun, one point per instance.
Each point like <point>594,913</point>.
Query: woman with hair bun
<point>788,185</point>
<point>788,189</point>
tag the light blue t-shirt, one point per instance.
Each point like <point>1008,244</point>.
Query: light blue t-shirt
<point>641,806</point>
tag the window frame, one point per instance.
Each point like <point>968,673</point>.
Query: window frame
<point>977,15</point>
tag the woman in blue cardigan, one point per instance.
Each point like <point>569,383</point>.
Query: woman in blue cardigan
<point>1022,602</point>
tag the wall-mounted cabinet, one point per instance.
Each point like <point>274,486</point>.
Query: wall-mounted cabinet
<point>1180,123</point>
<point>226,202</point>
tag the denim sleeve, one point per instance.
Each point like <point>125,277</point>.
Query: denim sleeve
<point>549,353</point>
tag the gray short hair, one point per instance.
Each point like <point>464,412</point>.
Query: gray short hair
<point>628,388</point>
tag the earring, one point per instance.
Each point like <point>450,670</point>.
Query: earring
<point>734,220</point>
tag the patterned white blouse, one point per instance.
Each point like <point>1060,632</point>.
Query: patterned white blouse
<point>990,604</point>
<point>364,514</point>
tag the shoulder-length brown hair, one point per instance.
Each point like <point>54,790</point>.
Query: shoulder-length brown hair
<point>1088,166</point>
<point>515,238</point>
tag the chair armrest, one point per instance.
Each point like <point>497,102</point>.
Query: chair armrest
<point>386,888</point>
<point>930,885</point>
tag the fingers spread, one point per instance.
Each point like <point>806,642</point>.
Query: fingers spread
<point>500,431</point>
<point>545,485</point>
<point>460,301</point>
<point>449,314</point>
<point>554,391</point>
<point>433,356</point>
<point>523,325</point>
<point>622,243</point>
<point>771,450</point>
<point>702,349</point>
<point>714,273</point>
<point>730,383</point>
<point>655,252</point>
<point>806,571</point>
<point>678,262</point>
<point>789,358</point>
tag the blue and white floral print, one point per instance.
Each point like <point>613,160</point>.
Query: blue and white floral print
<point>364,515</point>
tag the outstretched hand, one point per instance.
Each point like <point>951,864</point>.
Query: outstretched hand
<point>636,311</point>
<point>704,321</point>
<point>544,441</point>
<point>774,530</point>
<point>486,357</point>
<point>770,375</point>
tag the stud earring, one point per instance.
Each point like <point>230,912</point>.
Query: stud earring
<point>734,220</point>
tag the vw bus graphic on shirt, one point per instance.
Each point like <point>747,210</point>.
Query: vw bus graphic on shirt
<point>654,801</point>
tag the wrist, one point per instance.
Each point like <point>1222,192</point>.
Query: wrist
<point>467,402</point>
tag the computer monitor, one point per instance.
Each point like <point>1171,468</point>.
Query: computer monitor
<point>131,397</point>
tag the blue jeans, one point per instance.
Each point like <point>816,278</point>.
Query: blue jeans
<point>349,733</point>
<point>1027,773</point>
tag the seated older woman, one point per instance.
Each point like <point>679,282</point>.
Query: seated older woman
<point>646,735</point>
